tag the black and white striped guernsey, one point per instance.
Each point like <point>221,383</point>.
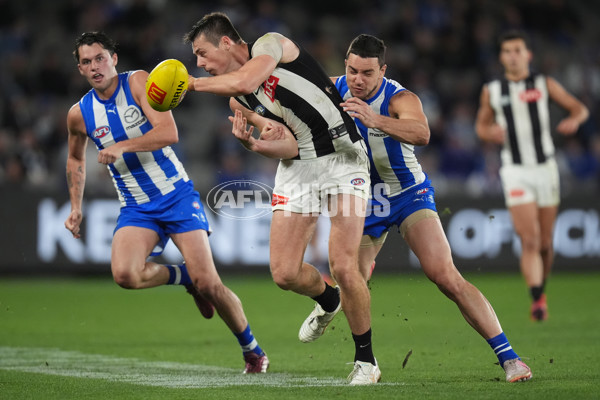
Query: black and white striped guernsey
<point>521,108</point>
<point>301,95</point>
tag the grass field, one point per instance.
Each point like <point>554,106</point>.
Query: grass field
<point>90,339</point>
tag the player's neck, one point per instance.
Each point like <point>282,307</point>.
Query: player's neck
<point>110,90</point>
<point>516,75</point>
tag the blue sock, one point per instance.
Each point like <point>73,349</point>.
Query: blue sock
<point>502,348</point>
<point>178,275</point>
<point>248,342</point>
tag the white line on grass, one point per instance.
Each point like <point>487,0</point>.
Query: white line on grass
<point>150,373</point>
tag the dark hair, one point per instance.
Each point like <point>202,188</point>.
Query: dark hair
<point>214,26</point>
<point>512,35</point>
<point>367,46</point>
<point>89,38</point>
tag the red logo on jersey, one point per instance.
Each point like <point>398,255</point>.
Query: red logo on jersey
<point>270,85</point>
<point>530,95</point>
<point>156,94</point>
<point>101,132</point>
<point>278,199</point>
<point>517,193</point>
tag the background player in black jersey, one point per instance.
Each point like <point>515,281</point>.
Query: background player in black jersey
<point>276,81</point>
<point>514,112</point>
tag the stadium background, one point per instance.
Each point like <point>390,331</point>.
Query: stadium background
<point>443,51</point>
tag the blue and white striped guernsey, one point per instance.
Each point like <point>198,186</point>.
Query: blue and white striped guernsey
<point>138,177</point>
<point>392,162</point>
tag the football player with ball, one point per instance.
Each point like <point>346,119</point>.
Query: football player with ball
<point>158,200</point>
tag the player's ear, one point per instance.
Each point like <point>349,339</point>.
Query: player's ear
<point>382,70</point>
<point>115,58</point>
<point>225,42</point>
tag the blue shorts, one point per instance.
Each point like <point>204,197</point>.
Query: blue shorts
<point>176,212</point>
<point>382,215</point>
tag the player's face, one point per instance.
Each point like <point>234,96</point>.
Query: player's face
<point>97,66</point>
<point>216,60</point>
<point>364,76</point>
<point>515,56</point>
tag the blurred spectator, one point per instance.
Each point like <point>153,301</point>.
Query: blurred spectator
<point>443,51</point>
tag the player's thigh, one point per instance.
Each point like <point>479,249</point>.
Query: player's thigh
<point>195,249</point>
<point>289,237</point>
<point>427,240</point>
<point>346,227</point>
<point>525,220</point>
<point>130,247</point>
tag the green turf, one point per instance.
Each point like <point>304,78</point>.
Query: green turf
<point>96,318</point>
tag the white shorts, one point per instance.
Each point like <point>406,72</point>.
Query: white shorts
<point>531,184</point>
<point>302,186</point>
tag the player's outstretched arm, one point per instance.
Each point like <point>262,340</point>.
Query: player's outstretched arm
<point>268,51</point>
<point>77,142</point>
<point>275,140</point>
<point>578,112</point>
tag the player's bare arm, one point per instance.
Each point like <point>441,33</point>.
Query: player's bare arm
<point>269,50</point>
<point>578,112</point>
<point>407,122</point>
<point>77,142</point>
<point>163,133</point>
<point>485,125</point>
<point>275,140</point>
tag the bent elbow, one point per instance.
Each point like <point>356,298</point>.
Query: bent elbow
<point>424,138</point>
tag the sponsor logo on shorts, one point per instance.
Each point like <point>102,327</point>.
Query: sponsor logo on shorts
<point>357,181</point>
<point>517,193</point>
<point>278,199</point>
<point>101,132</point>
<point>421,191</point>
<point>240,199</point>
<point>196,205</point>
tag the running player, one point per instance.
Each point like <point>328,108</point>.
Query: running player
<point>274,79</point>
<point>158,200</point>
<point>514,112</point>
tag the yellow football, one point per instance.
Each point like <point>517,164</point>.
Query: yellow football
<point>166,85</point>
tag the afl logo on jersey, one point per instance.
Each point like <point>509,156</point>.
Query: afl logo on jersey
<point>530,95</point>
<point>260,110</point>
<point>101,132</point>
<point>357,181</point>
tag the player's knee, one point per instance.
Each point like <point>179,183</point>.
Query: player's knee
<point>449,281</point>
<point>209,289</point>
<point>546,246</point>
<point>286,279</point>
<point>126,279</point>
<point>531,243</point>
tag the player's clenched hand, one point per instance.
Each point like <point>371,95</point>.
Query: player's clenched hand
<point>110,154</point>
<point>568,126</point>
<point>73,223</point>
<point>272,132</point>
<point>361,110</point>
